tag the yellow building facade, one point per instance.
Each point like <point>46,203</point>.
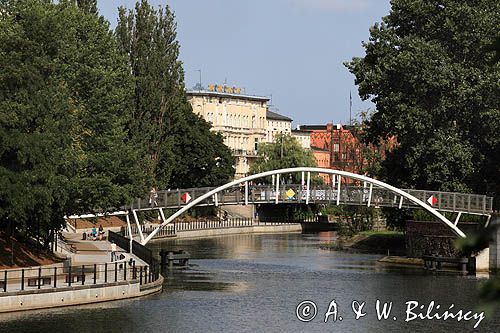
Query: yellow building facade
<point>240,118</point>
<point>277,124</point>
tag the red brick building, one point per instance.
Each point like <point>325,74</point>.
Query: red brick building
<point>322,157</point>
<point>342,144</point>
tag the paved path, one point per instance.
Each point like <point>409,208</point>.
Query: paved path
<point>92,252</point>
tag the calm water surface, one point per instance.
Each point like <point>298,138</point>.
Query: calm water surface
<point>253,283</point>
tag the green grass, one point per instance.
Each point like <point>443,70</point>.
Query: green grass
<point>334,246</point>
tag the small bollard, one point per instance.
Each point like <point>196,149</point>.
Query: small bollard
<point>83,275</point>
<point>69,276</point>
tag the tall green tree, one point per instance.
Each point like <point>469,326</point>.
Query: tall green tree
<point>65,92</point>
<point>428,69</point>
<point>182,151</point>
<point>201,157</point>
<point>88,6</point>
<point>284,152</point>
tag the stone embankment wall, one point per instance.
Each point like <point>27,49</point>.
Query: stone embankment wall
<point>426,238</point>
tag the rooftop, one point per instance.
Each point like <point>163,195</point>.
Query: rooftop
<point>327,127</point>
<point>226,95</point>
<point>300,131</point>
<point>276,116</point>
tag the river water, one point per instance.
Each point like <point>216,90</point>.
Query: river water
<point>253,283</point>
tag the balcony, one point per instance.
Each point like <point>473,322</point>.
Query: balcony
<point>244,153</point>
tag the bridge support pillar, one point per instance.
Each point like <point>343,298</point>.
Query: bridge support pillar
<point>495,244</point>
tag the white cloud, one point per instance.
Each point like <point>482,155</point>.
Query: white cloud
<point>339,6</point>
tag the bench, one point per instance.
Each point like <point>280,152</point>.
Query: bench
<point>44,281</point>
<point>75,278</point>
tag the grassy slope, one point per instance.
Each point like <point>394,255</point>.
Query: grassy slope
<point>25,255</point>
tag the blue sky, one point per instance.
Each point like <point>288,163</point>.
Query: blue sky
<point>292,49</point>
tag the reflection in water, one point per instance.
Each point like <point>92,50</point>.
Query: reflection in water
<point>253,283</point>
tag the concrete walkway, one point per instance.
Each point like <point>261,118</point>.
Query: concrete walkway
<point>88,276</point>
<point>89,252</point>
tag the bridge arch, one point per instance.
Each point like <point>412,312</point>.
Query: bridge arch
<point>309,170</point>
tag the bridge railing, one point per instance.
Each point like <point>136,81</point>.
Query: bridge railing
<point>474,203</point>
<point>272,220</point>
<point>166,231</point>
<point>140,251</point>
<point>350,194</point>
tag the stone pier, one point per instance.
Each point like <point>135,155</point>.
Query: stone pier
<point>495,244</point>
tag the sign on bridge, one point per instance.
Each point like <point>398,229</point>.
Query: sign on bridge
<point>432,200</point>
<point>186,197</point>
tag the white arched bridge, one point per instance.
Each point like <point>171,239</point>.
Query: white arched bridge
<point>359,190</point>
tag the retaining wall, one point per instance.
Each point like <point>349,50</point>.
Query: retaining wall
<point>426,238</point>
<point>77,295</point>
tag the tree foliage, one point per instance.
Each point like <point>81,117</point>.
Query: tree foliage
<point>182,151</point>
<point>429,70</point>
<point>88,6</point>
<point>284,152</point>
<point>64,104</point>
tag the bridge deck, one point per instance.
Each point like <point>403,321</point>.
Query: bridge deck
<point>349,195</point>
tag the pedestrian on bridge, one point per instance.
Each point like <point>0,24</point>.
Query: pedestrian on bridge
<point>153,195</point>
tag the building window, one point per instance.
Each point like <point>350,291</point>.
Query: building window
<point>336,147</point>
